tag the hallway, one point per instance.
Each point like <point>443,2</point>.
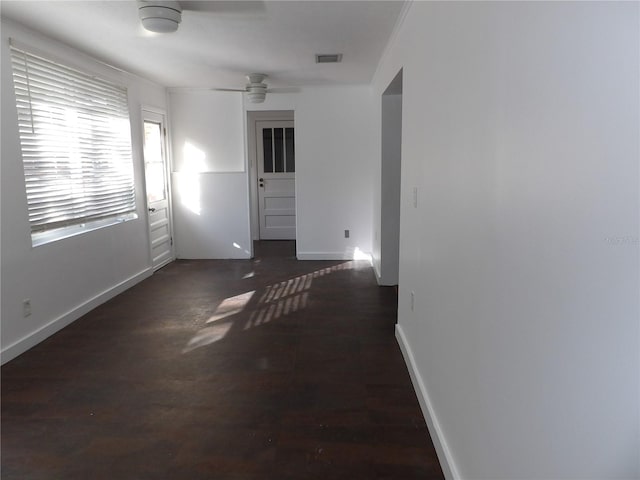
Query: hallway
<point>268,368</point>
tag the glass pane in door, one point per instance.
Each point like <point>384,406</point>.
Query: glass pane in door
<point>267,148</point>
<point>290,150</point>
<point>154,164</point>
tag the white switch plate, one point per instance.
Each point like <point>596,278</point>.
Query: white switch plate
<point>26,307</point>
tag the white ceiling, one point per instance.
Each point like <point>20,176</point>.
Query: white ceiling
<point>217,43</point>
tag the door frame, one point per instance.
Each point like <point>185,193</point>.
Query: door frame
<point>252,118</point>
<point>391,181</point>
<point>277,184</point>
<point>144,109</point>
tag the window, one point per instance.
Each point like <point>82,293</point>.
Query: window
<point>278,145</point>
<point>76,148</point>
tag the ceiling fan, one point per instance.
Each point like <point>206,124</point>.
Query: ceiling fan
<point>256,89</point>
<point>164,16</point>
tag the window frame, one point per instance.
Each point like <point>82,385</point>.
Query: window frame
<point>111,119</point>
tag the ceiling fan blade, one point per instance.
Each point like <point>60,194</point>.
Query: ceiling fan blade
<point>228,89</point>
<point>224,7</point>
<point>284,90</point>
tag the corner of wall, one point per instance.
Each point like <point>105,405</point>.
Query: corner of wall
<point>394,34</point>
<point>33,338</point>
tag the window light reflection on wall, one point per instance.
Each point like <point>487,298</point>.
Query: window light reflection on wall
<point>193,163</point>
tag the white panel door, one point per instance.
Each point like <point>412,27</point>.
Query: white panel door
<point>276,180</point>
<point>155,166</point>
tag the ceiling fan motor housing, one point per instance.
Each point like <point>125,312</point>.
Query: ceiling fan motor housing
<point>256,89</point>
<point>160,16</point>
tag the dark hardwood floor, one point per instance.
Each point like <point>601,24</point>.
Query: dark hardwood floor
<point>259,369</point>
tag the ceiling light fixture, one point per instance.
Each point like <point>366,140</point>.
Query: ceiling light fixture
<point>160,16</point>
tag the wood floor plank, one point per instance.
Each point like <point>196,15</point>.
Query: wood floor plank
<point>269,368</point>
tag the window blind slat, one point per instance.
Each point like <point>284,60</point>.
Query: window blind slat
<point>76,145</point>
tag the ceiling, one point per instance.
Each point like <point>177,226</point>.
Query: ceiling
<point>218,42</point>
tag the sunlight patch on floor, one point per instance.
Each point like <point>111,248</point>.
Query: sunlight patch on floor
<point>288,297</point>
<point>208,335</point>
<point>277,300</point>
<point>231,306</point>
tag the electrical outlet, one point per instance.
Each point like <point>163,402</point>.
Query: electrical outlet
<point>413,300</point>
<point>26,307</point>
<point>346,234</point>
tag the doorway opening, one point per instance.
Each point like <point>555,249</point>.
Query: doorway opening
<point>391,169</point>
<point>280,249</point>
<point>272,167</point>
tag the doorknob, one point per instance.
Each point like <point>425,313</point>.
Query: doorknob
<point>152,209</point>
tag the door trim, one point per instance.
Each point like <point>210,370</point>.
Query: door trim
<point>278,186</point>
<point>252,118</point>
<point>144,110</point>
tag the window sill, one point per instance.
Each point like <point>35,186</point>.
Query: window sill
<point>42,238</point>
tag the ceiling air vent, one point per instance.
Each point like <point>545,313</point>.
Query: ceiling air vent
<point>330,58</point>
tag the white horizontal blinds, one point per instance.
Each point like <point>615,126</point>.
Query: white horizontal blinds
<point>76,143</point>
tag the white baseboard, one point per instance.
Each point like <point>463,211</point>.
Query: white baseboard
<point>44,332</point>
<point>439,442</point>
<point>323,256</point>
<point>376,269</point>
<point>348,255</point>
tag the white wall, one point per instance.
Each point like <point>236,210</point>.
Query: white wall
<point>334,177</point>
<point>209,179</point>
<point>207,131</point>
<point>66,278</point>
<point>334,186</point>
<point>521,133</point>
<point>388,230</point>
<point>335,155</point>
